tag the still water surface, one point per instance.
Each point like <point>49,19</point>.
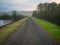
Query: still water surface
<point>4,22</point>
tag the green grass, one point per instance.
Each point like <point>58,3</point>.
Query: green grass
<point>51,28</point>
<point>7,30</point>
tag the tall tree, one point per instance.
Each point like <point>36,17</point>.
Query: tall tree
<point>14,14</point>
<point>49,11</point>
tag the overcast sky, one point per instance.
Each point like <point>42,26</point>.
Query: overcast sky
<point>21,5</point>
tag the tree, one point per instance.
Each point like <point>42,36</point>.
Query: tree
<point>35,13</point>
<point>5,16</point>
<point>48,11</point>
<point>14,15</point>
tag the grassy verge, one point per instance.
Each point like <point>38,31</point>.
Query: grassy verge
<point>52,29</point>
<point>7,30</point>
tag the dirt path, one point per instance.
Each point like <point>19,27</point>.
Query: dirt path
<point>29,34</point>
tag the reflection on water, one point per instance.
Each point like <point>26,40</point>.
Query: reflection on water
<point>4,22</point>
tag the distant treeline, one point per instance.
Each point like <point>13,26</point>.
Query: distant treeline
<point>13,16</point>
<point>48,11</point>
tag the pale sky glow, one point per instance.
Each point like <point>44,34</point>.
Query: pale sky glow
<point>21,5</point>
<point>57,1</point>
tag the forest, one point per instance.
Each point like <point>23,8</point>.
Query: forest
<point>49,12</point>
